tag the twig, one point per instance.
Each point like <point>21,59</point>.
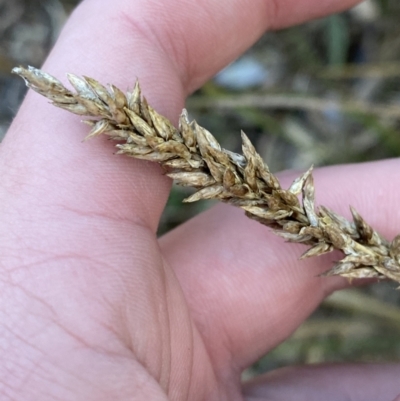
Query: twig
<point>288,102</point>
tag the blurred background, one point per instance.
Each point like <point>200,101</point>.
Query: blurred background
<point>322,93</point>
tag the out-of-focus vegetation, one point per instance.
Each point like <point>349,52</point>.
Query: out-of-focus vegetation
<point>323,93</point>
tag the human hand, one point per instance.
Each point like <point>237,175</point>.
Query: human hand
<point>94,307</point>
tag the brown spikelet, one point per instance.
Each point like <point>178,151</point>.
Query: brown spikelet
<point>193,157</point>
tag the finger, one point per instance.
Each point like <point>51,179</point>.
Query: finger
<point>246,287</point>
<point>172,47</point>
<point>375,382</point>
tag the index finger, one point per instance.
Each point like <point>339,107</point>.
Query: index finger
<point>172,47</point>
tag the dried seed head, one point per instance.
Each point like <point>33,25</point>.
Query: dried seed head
<point>193,157</point>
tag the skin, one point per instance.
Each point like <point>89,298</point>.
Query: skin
<point>93,306</point>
